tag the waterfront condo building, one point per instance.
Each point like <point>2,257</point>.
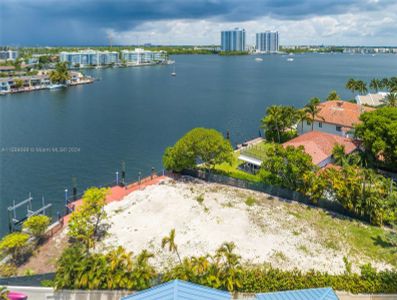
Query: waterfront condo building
<point>267,42</point>
<point>233,40</point>
<point>141,56</point>
<point>8,55</point>
<point>90,58</point>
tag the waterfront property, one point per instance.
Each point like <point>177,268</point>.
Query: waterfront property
<point>335,117</point>
<point>89,57</point>
<point>233,40</point>
<point>8,55</point>
<point>319,145</point>
<point>267,42</point>
<point>371,99</point>
<point>40,81</point>
<point>141,56</point>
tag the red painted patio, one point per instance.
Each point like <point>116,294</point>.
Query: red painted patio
<point>117,193</point>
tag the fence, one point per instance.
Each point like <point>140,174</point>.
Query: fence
<point>272,190</point>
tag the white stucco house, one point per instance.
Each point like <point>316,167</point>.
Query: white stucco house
<point>335,117</point>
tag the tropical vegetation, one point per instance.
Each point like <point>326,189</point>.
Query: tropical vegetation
<point>3,293</point>
<point>199,146</point>
<point>16,245</point>
<point>378,133</point>
<point>88,224</point>
<point>60,74</point>
<point>36,226</point>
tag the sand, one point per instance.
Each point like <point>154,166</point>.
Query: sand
<point>263,232</point>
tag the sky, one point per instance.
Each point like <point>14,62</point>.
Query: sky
<point>196,22</point>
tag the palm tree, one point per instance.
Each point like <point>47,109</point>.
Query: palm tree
<point>231,267</point>
<point>301,116</point>
<point>312,110</point>
<point>385,83</point>
<point>273,120</point>
<point>170,241</point>
<point>338,154</point>
<point>60,74</point>
<point>333,96</point>
<point>390,100</point>
<point>375,84</point>
<point>361,86</point>
<point>351,85</point>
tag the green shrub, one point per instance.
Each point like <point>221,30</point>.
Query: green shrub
<point>8,270</point>
<point>36,225</point>
<point>15,244</point>
<point>200,198</point>
<point>250,201</point>
<point>3,293</point>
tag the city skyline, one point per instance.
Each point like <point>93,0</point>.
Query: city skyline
<point>329,22</point>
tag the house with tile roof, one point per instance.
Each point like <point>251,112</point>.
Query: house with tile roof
<point>335,117</point>
<point>319,145</point>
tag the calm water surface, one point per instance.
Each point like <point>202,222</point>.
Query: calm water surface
<point>132,114</point>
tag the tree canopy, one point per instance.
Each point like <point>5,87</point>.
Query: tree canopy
<point>277,121</point>
<point>200,145</point>
<point>286,167</point>
<point>378,132</point>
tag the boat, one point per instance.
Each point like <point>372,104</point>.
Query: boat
<point>56,86</point>
<point>259,59</point>
<point>290,59</point>
<point>173,73</point>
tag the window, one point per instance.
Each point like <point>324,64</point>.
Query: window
<point>338,128</point>
<point>308,123</point>
<point>320,124</point>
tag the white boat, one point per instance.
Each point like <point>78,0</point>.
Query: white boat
<point>259,59</point>
<point>56,86</point>
<point>173,73</point>
<point>290,59</point>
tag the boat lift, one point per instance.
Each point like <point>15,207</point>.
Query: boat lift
<point>15,220</point>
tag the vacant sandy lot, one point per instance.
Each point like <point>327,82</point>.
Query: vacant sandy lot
<point>270,230</point>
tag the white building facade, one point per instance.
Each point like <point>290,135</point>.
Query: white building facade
<point>141,56</point>
<point>89,58</point>
<point>267,42</point>
<point>233,40</point>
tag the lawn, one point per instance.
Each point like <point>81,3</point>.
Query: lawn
<point>257,151</point>
<point>233,170</point>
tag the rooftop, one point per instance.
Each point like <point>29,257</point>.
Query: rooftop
<point>319,144</point>
<point>179,289</point>
<point>371,99</point>
<point>341,113</point>
<point>306,294</point>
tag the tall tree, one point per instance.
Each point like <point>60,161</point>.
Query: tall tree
<point>60,74</point>
<point>351,85</point>
<point>390,99</point>
<point>333,96</point>
<point>378,132</point>
<point>87,223</point>
<point>375,84</point>
<point>273,120</point>
<point>312,110</point>
<point>338,154</point>
<point>200,145</point>
<point>170,242</point>
<point>361,87</point>
<point>285,167</point>
<point>301,116</point>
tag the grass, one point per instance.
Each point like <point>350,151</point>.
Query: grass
<point>257,151</point>
<point>250,201</point>
<point>336,232</point>
<point>233,171</point>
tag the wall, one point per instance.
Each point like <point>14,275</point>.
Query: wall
<point>42,293</point>
<point>328,128</point>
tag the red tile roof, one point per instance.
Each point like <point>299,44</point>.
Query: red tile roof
<point>319,145</point>
<point>341,113</point>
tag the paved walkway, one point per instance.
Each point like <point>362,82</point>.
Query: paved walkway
<point>117,193</point>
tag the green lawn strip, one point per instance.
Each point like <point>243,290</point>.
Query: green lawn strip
<point>233,171</point>
<point>257,151</point>
<point>362,239</point>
